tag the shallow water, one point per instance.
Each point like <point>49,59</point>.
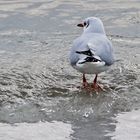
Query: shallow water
<point>125,130</point>
<point>37,82</point>
<point>36,131</point>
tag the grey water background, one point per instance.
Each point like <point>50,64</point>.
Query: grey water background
<point>38,87</point>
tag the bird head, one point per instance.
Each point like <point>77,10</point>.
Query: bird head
<point>92,24</point>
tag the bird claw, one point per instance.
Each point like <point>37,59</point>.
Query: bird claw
<point>93,87</point>
<point>97,87</point>
<point>85,84</point>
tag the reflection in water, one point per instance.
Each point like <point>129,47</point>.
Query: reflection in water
<point>36,131</point>
<point>127,126</point>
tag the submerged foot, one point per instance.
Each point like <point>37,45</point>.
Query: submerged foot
<point>85,85</point>
<point>96,87</point>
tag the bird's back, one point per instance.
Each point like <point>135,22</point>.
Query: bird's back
<point>102,47</point>
<point>97,43</point>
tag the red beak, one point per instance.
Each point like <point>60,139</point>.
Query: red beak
<point>80,25</point>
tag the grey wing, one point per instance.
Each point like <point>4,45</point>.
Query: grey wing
<point>102,47</point>
<point>79,44</point>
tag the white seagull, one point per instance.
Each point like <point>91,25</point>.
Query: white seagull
<point>92,52</point>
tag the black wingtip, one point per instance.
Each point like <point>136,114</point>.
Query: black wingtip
<point>92,59</point>
<point>88,52</point>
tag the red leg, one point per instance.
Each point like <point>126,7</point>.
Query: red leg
<point>95,80</point>
<point>95,85</point>
<point>84,81</point>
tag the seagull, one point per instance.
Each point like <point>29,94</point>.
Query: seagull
<point>92,52</point>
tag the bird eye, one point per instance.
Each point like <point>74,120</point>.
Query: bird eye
<point>85,23</point>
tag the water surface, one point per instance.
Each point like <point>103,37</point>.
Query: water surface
<point>37,84</point>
